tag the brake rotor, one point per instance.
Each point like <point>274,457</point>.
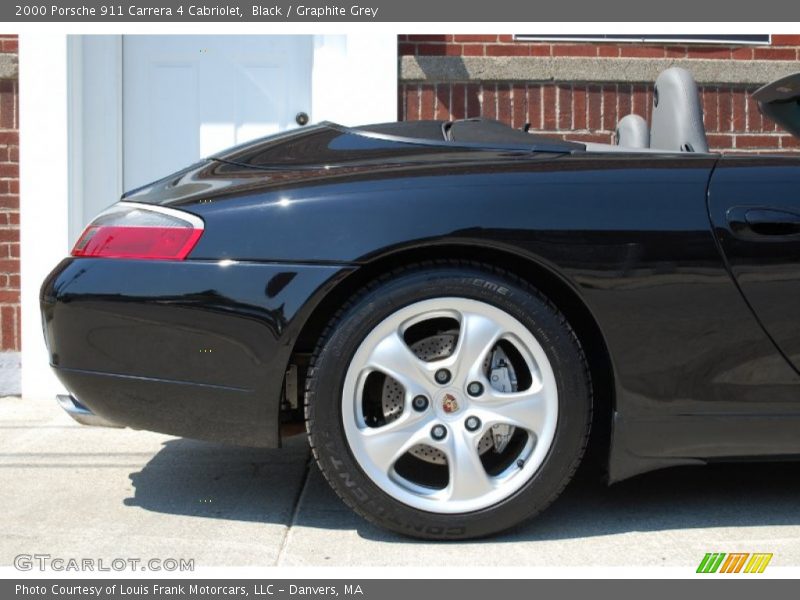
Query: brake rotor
<point>431,348</point>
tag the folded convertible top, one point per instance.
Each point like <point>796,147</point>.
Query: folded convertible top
<point>470,131</point>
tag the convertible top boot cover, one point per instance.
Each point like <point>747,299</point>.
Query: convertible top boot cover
<point>677,115</point>
<point>632,132</point>
<point>780,101</point>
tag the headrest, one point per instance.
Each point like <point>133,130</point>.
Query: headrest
<point>677,115</point>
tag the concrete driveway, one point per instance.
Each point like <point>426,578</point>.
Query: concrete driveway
<point>74,491</point>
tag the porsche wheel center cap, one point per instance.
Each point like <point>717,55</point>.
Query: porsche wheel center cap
<point>449,402</point>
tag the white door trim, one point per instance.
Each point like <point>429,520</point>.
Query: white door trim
<point>44,185</point>
<point>95,126</point>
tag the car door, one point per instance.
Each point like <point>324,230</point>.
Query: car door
<point>754,206</point>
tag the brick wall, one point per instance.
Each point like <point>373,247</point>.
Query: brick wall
<point>591,110</point>
<point>9,204</point>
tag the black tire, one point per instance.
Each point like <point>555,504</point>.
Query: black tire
<point>350,326</point>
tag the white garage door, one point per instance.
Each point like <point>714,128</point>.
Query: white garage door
<point>186,97</point>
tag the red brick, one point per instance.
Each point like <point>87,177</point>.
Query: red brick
<point>9,170</point>
<point>564,107</point>
<point>639,100</point>
<point>757,141</point>
<point>13,218</point>
<point>789,141</point>
<point>14,282</point>
<point>427,101</point>
<point>489,105</point>
<point>535,94</point>
<point>520,105</point>
<point>412,102</point>
<point>8,325</point>
<point>9,318</point>
<point>675,51</point>
<point>442,101</point>
<point>594,102</point>
<point>504,102</point>
<point>431,49</point>
<point>476,38</point>
<point>473,50</point>
<point>549,108</point>
<point>610,118</point>
<point>9,296</point>
<point>506,50</point>
<point>406,49</point>
<point>706,52</point>
<point>458,107</point>
<point>718,141</point>
<point>9,201</point>
<point>13,186</point>
<point>745,53</point>
<point>608,51</point>
<point>439,49</point>
<point>540,50</point>
<point>473,100</point>
<point>505,37</point>
<point>708,100</point>
<point>7,105</point>
<point>574,50</point>
<point>579,107</point>
<point>643,51</point>
<point>13,250</point>
<point>9,137</point>
<point>775,53</point>
<point>429,38</point>
<point>9,235</point>
<point>725,105</point>
<point>754,118</point>
<point>9,265</point>
<point>785,40</point>
<point>623,100</point>
<point>739,108</point>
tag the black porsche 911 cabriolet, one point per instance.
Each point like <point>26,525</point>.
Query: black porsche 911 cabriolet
<point>456,310</point>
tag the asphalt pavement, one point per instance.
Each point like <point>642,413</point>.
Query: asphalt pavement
<point>74,491</point>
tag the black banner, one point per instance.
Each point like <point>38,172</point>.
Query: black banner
<point>349,11</point>
<point>390,589</point>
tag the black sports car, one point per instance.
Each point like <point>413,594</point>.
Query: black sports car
<point>455,310</point>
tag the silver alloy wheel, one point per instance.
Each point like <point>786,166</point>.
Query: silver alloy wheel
<point>470,485</point>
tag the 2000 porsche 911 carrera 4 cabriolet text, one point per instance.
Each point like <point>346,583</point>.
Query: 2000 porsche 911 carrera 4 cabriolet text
<point>456,310</point>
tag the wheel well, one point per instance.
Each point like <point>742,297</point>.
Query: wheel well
<point>545,280</point>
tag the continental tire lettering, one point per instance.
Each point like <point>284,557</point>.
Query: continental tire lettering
<point>455,531</point>
<point>348,481</point>
<point>489,285</point>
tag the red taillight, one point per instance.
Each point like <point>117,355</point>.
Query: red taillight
<point>130,230</point>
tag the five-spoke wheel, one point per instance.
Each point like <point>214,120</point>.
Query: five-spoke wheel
<point>448,402</point>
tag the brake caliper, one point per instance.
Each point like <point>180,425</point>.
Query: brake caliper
<point>503,379</point>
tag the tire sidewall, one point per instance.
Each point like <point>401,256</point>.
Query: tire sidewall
<point>324,401</point>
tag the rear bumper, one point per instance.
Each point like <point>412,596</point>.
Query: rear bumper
<point>193,348</point>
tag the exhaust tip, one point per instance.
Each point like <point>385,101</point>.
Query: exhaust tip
<point>80,413</point>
